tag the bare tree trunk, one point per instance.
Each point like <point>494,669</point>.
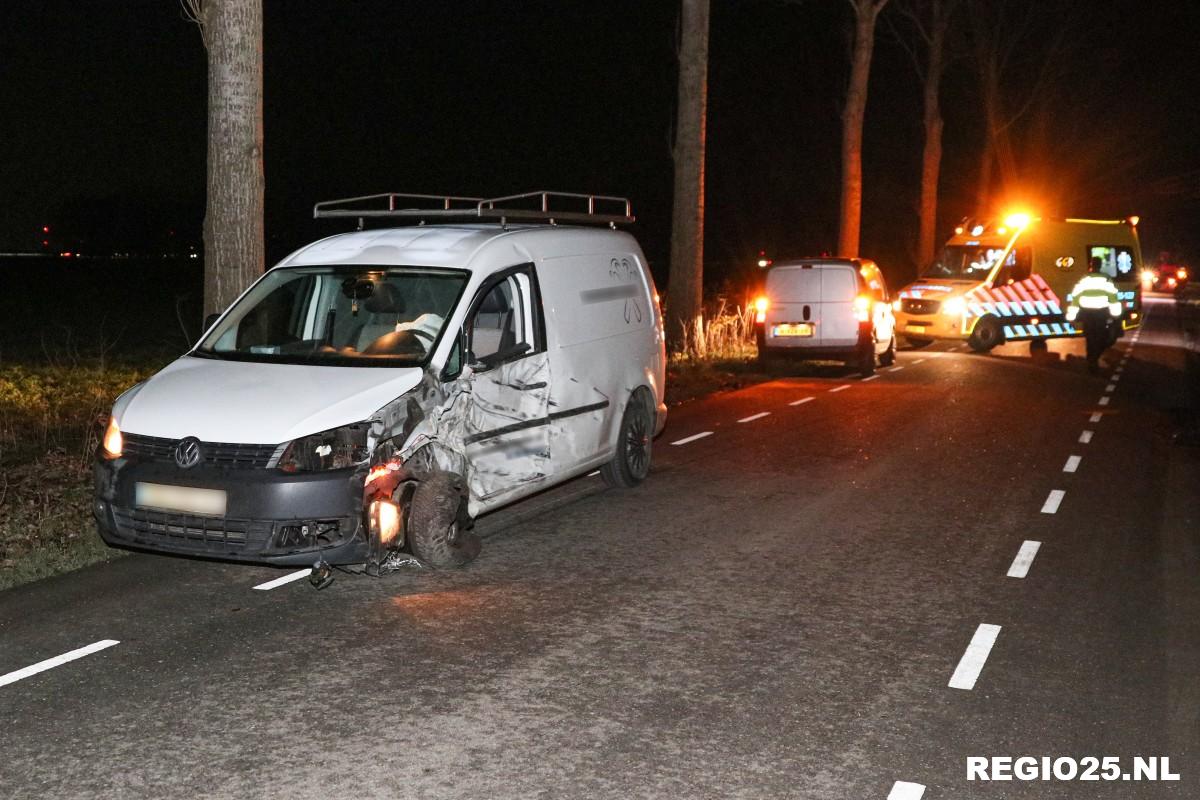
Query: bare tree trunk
<point>865,14</point>
<point>685,288</point>
<point>931,159</point>
<point>233,220</point>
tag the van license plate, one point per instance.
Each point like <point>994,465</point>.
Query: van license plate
<point>797,329</point>
<point>208,502</point>
<point>912,326</point>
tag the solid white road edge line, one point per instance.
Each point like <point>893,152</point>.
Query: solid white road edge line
<point>753,417</point>
<point>1052,501</point>
<point>840,388</point>
<point>1072,463</point>
<point>1085,437</point>
<point>692,438</point>
<point>57,661</point>
<point>906,790</point>
<point>291,576</point>
<point>800,402</point>
<point>972,661</point>
<point>1024,559</point>
<point>1096,417</point>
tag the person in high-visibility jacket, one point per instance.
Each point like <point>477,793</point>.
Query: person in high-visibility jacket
<point>1094,302</point>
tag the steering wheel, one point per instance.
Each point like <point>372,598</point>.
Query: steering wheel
<point>422,334</point>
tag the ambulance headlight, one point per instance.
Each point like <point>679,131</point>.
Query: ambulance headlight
<point>336,448</point>
<point>954,307</point>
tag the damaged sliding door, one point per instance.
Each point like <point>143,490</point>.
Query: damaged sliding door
<point>506,419</point>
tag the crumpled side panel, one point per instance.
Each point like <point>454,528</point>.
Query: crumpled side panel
<point>499,417</point>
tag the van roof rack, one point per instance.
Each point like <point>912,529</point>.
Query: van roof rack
<point>539,206</point>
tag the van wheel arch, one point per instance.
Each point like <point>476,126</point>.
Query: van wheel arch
<point>987,334</point>
<point>437,525</point>
<point>632,454</point>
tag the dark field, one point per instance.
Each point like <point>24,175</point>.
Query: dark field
<point>74,334</point>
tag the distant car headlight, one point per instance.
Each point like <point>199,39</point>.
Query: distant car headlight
<point>954,307</point>
<point>337,448</point>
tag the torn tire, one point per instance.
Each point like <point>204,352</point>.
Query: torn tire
<point>631,461</point>
<point>435,526</point>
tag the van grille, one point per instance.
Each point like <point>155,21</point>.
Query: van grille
<point>912,305</point>
<point>190,532</point>
<point>213,454</point>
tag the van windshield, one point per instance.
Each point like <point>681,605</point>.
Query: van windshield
<point>339,316</point>
<point>964,262</point>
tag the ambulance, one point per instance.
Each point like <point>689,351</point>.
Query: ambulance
<point>997,282</point>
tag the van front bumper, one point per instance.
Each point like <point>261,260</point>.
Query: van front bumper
<point>929,326</point>
<point>272,517</point>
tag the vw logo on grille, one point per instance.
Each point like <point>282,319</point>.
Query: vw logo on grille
<point>187,452</point>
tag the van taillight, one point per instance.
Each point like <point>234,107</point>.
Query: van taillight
<point>760,309</point>
<point>862,308</point>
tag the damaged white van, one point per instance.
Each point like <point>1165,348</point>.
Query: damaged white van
<point>376,391</point>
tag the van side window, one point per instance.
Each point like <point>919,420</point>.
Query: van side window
<point>1017,267</point>
<point>506,317</point>
<point>1116,261</point>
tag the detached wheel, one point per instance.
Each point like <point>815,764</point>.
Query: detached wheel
<point>889,356</point>
<point>631,462</point>
<point>987,334</point>
<point>434,524</point>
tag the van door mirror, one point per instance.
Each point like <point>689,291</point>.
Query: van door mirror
<point>493,359</point>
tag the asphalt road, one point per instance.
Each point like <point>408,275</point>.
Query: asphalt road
<point>782,610</point>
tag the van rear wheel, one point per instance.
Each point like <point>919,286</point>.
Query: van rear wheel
<point>435,524</point>
<point>889,356</point>
<point>631,461</point>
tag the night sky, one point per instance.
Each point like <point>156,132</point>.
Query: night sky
<point>102,109</point>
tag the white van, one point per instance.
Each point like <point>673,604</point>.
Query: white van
<point>834,309</point>
<point>376,391</point>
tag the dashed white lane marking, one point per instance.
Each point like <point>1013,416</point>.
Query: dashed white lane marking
<point>896,368</point>
<point>1072,463</point>
<point>1110,387</point>
<point>753,417</point>
<point>692,438</point>
<point>1096,417</point>
<point>972,661</point>
<point>1052,501</point>
<point>869,378</point>
<point>905,790</point>
<point>840,388</point>
<point>800,402</point>
<point>292,576</point>
<point>57,661</point>
<point>918,361</point>
<point>1085,437</point>
<point>1104,401</point>
<point>1116,376</point>
<point>1024,560</point>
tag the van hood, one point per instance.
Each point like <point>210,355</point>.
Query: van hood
<point>937,288</point>
<point>255,403</point>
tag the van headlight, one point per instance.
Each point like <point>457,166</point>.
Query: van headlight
<point>954,307</point>
<point>336,448</point>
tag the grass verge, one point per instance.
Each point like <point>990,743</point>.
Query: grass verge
<point>48,427</point>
